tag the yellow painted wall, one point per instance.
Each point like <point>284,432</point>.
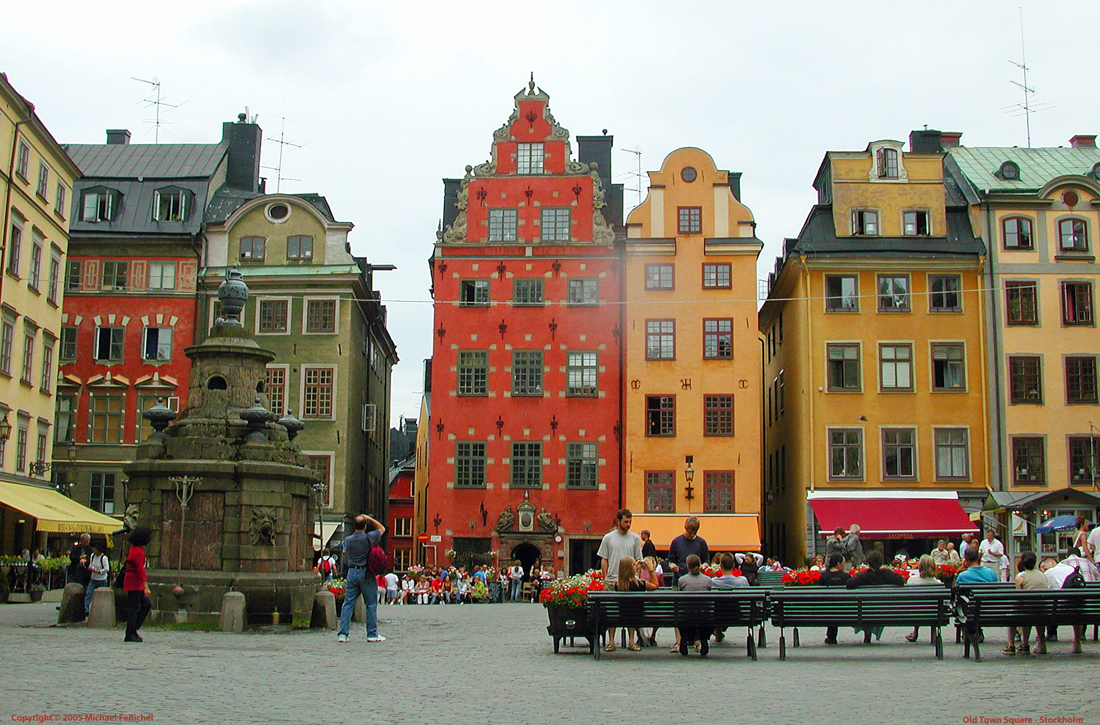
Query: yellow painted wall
<point>26,299</point>
<point>688,304</point>
<point>853,189</point>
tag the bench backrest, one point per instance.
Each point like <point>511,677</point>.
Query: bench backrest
<point>743,607</point>
<point>1067,606</point>
<point>865,606</point>
<point>771,579</point>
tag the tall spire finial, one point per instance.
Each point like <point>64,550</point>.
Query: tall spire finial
<point>531,85</point>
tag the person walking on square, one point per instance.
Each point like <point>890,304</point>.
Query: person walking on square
<point>992,550</point>
<point>361,582</point>
<point>78,560</point>
<point>649,549</point>
<point>835,545</point>
<point>515,574</point>
<point>136,584</point>
<point>616,544</point>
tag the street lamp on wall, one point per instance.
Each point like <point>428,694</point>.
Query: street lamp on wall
<point>689,476</point>
<point>5,428</point>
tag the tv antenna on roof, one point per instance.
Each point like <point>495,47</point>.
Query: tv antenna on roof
<point>156,102</point>
<point>636,174</point>
<point>1028,107</point>
<point>283,143</point>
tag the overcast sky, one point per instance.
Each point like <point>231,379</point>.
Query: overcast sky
<point>387,98</point>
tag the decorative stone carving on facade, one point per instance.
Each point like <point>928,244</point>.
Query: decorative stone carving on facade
<point>576,167</point>
<point>130,518</point>
<point>489,168</point>
<point>262,528</point>
<point>506,520</point>
<point>525,512</point>
<point>546,521</point>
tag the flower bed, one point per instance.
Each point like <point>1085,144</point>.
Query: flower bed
<point>807,577</point>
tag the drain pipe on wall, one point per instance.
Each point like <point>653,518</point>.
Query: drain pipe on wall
<point>7,196</point>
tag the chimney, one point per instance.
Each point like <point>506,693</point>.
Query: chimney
<point>1083,142</point>
<point>735,183</point>
<point>243,171</point>
<point>121,137</point>
<point>597,149</point>
<point>950,139</point>
<point>450,201</point>
<point>925,141</point>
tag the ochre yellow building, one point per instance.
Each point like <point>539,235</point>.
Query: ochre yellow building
<point>692,357</point>
<point>875,379</point>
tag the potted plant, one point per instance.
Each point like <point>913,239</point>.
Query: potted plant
<point>35,592</point>
<point>338,587</point>
<point>566,602</point>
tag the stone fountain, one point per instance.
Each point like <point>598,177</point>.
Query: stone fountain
<point>224,488</point>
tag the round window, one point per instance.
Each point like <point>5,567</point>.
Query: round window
<point>1070,199</point>
<point>277,212</point>
<point>688,174</point>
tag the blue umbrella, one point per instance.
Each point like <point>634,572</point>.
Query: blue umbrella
<point>1065,522</point>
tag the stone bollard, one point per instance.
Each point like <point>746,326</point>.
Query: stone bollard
<point>72,604</point>
<point>233,612</point>
<point>102,614</point>
<point>324,610</point>
<point>360,612</point>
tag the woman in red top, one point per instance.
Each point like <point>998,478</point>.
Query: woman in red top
<point>135,583</point>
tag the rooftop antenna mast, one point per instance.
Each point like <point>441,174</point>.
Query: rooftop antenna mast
<point>156,102</point>
<point>636,174</point>
<point>283,143</point>
<point>1028,107</point>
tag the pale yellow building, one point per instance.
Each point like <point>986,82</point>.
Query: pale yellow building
<point>37,180</point>
<point>692,394</point>
<point>874,410</point>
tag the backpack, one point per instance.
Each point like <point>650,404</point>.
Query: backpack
<point>1076,580</point>
<point>377,562</point>
<point>326,565</point>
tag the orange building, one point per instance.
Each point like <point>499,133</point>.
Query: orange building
<point>692,357</point>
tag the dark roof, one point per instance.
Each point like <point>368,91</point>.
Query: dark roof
<point>134,213</point>
<point>149,161</point>
<point>818,237</point>
<point>227,200</point>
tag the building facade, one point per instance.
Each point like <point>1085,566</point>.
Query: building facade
<point>874,359</point>
<point>1037,211</point>
<point>525,428</point>
<point>36,180</point>
<point>693,388</point>
<point>313,304</point>
<point>130,294</point>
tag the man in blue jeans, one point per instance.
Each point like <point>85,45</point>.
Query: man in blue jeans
<point>361,582</point>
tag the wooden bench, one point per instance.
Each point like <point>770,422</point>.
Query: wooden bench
<point>739,608</point>
<point>980,608</point>
<point>863,608</point>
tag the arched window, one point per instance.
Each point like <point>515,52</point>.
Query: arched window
<point>1016,232</point>
<point>1073,235</point>
<point>1010,171</point>
<point>888,163</point>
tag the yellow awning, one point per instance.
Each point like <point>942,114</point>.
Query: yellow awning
<point>54,511</point>
<point>722,532</point>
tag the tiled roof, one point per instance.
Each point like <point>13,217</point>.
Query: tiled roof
<point>151,161</point>
<point>1037,165</point>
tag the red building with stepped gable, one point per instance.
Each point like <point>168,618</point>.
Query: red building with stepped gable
<point>525,425</point>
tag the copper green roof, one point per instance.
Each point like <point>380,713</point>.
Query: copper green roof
<point>289,270</point>
<point>1038,166</point>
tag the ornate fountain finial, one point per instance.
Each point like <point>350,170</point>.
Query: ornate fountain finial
<point>233,294</point>
<point>159,416</point>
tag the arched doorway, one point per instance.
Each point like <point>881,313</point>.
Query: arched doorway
<point>528,555</point>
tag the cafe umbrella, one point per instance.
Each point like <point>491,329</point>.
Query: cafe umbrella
<point>1064,522</point>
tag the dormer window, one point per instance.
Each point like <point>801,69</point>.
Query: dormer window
<point>1095,173</point>
<point>99,205</point>
<point>887,163</point>
<point>915,223</point>
<point>1009,171</point>
<point>529,158</point>
<point>864,222</point>
<point>252,249</point>
<point>170,205</point>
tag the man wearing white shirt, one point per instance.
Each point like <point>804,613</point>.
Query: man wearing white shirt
<point>992,550</point>
<point>1094,543</point>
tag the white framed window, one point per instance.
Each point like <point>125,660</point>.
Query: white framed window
<point>162,275</point>
<point>275,382</point>
<point>272,315</point>
<point>529,158</point>
<point>99,206</point>
<point>319,316</point>
<point>887,161</point>
<point>370,415</point>
<point>156,344</point>
<point>318,392</point>
<point>322,462</point>
<point>170,205</point>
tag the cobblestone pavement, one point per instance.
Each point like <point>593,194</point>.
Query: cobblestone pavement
<point>495,664</point>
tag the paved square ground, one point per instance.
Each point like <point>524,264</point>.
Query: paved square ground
<point>494,663</point>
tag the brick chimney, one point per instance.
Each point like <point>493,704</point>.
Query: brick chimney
<point>121,137</point>
<point>1083,142</point>
<point>950,139</point>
